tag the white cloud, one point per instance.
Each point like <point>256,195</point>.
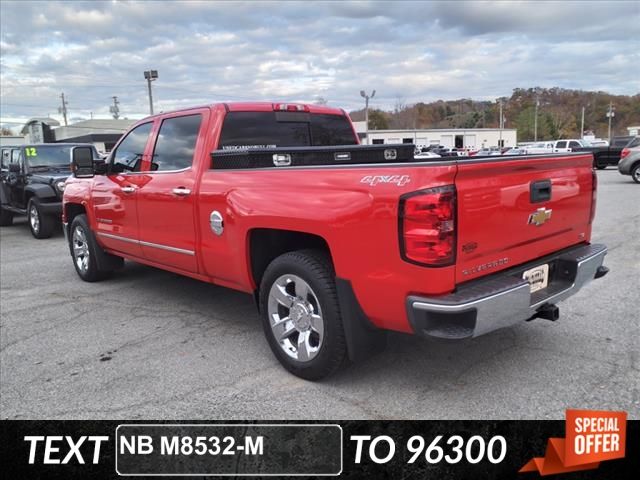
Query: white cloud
<point>213,51</point>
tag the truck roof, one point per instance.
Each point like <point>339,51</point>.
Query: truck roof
<point>255,107</point>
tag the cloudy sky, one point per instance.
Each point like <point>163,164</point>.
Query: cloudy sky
<point>209,51</point>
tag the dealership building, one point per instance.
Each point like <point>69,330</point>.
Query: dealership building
<point>103,133</point>
<point>452,137</point>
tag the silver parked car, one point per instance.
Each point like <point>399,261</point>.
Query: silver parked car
<point>630,160</point>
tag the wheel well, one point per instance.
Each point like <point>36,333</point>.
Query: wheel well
<point>266,244</point>
<point>72,210</point>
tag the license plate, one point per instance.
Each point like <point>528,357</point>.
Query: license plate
<point>537,277</point>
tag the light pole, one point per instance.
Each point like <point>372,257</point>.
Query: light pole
<point>366,110</point>
<point>582,125</point>
<point>150,75</point>
<point>610,114</point>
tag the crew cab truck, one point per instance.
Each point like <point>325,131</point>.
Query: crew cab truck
<point>31,183</point>
<point>338,242</point>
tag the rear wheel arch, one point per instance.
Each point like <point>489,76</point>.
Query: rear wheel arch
<point>266,244</point>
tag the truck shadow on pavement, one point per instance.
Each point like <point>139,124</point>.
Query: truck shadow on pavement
<point>436,364</point>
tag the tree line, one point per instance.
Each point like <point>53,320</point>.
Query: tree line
<point>559,113</point>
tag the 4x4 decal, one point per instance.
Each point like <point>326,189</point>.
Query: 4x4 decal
<point>374,180</point>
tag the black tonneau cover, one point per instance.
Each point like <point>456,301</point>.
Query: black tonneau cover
<point>312,156</point>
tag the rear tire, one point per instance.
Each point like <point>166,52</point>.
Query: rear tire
<point>40,224</point>
<point>635,173</point>
<point>301,316</point>
<point>6,218</point>
<point>85,250</point>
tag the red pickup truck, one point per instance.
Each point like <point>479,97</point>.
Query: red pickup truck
<point>337,241</point>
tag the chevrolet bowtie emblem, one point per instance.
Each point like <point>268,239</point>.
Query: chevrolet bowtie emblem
<point>540,216</point>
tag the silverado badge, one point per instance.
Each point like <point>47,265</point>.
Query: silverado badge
<point>540,216</point>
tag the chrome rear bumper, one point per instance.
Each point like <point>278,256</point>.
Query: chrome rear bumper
<point>503,299</point>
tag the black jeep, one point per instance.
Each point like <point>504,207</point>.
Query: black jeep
<point>32,181</point>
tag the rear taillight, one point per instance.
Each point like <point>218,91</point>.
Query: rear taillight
<point>427,226</point>
<point>625,152</point>
<point>594,195</point>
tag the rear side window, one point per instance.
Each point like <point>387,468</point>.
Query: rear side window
<point>6,157</point>
<point>561,145</point>
<point>176,143</point>
<point>247,130</point>
<point>634,143</point>
<point>620,141</point>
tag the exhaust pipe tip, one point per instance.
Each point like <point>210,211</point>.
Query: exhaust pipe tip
<point>548,312</point>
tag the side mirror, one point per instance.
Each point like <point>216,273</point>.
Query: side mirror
<point>82,162</point>
<point>15,168</point>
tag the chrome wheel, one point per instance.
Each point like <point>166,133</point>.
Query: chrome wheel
<point>295,317</point>
<point>34,218</point>
<point>636,174</point>
<point>80,249</point>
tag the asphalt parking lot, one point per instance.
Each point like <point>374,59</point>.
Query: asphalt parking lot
<point>151,344</point>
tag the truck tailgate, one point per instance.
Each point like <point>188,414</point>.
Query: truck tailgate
<point>514,210</point>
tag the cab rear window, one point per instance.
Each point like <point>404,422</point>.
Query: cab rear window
<point>258,130</point>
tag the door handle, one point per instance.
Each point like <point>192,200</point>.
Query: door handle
<point>128,189</point>
<point>181,191</point>
<point>540,191</point>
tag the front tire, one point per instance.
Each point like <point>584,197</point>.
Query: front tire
<point>301,316</point>
<point>85,250</point>
<point>635,173</point>
<point>40,224</point>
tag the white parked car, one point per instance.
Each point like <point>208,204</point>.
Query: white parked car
<point>540,147</point>
<point>568,145</point>
<point>515,151</point>
<point>486,152</point>
<point>423,155</point>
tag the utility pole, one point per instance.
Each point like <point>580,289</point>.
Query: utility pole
<point>610,114</point>
<point>366,110</point>
<point>535,120</point>
<point>150,76</point>
<point>501,124</point>
<point>582,124</point>
<point>115,111</point>
<point>63,108</point>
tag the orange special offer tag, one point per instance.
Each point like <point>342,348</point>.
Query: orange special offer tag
<point>594,436</point>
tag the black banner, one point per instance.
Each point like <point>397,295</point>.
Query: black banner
<point>343,449</point>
